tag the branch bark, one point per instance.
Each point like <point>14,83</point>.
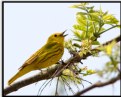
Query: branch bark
<point>99,84</point>
<point>47,74</point>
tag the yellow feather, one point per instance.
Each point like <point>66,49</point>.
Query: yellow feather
<point>46,56</point>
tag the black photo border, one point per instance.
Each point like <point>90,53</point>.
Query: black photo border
<point>3,2</point>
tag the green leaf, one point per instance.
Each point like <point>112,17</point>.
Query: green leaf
<point>74,6</point>
<point>105,13</point>
<point>77,45</point>
<point>90,7</point>
<point>77,39</point>
<point>95,16</point>
<point>90,71</point>
<point>83,35</point>
<point>80,6</point>
<point>77,34</point>
<point>109,47</point>
<point>110,19</point>
<point>91,28</point>
<point>79,27</point>
<point>81,20</point>
<point>82,14</point>
<point>102,29</point>
<point>95,43</point>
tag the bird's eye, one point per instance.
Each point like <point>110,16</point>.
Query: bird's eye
<point>55,35</point>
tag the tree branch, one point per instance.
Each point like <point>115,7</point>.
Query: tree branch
<point>99,84</point>
<point>46,74</point>
<point>109,29</point>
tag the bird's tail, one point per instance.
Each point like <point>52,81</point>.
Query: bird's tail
<point>21,72</point>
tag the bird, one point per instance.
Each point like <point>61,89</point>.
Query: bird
<point>46,56</point>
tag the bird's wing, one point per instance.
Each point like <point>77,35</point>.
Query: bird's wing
<point>31,59</point>
<point>43,52</point>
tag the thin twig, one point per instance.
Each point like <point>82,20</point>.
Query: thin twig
<point>56,91</point>
<point>98,84</point>
<point>68,85</point>
<point>64,85</point>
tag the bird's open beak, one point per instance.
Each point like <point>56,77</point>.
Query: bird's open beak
<point>63,33</point>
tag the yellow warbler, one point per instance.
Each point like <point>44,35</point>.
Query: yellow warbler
<point>46,56</point>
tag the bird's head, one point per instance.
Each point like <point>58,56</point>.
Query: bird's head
<point>57,37</point>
